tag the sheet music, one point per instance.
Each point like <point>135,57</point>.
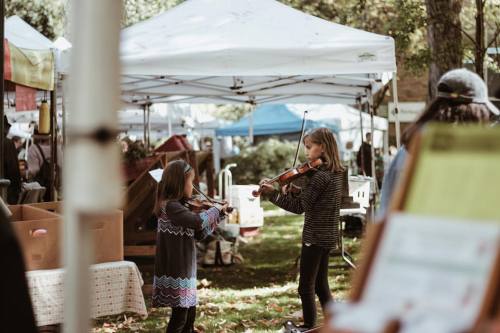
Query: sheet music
<point>156,174</point>
<point>429,272</point>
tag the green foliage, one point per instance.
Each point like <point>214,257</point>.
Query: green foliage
<point>233,112</point>
<point>492,27</point>
<point>135,151</point>
<point>139,10</point>
<point>46,16</point>
<point>267,159</point>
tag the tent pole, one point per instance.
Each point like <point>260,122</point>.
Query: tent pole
<point>92,181</point>
<point>63,107</point>
<point>250,125</point>
<point>360,107</point>
<point>148,110</point>
<point>144,121</point>
<point>169,117</point>
<point>374,174</point>
<point>396,108</point>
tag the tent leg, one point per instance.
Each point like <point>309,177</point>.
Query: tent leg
<point>396,108</point>
<point>144,124</point>
<point>250,125</point>
<point>148,142</point>
<point>360,107</point>
<point>169,117</point>
<point>374,174</point>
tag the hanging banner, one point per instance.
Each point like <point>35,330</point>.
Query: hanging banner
<point>31,68</point>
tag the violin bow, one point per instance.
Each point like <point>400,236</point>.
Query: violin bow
<point>201,193</point>
<point>300,139</point>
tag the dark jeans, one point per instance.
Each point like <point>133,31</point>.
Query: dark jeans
<point>313,280</point>
<point>182,320</point>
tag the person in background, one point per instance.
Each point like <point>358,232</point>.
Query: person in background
<point>39,157</point>
<point>18,142</point>
<point>364,156</point>
<point>462,97</point>
<point>11,166</point>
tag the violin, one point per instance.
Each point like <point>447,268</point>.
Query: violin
<point>204,202</point>
<point>290,175</point>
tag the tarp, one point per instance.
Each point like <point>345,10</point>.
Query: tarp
<point>28,58</point>
<point>272,120</point>
<point>259,51</point>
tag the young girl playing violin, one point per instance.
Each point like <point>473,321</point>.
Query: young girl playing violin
<point>174,283</point>
<point>320,201</point>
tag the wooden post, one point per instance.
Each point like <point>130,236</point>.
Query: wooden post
<point>194,164</point>
<point>210,170</point>
<point>53,135</point>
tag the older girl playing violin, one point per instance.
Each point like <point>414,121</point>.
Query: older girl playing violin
<point>320,201</point>
<point>174,283</point>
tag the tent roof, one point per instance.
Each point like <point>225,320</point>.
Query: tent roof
<point>260,51</point>
<point>23,35</point>
<point>248,38</point>
<point>270,120</point>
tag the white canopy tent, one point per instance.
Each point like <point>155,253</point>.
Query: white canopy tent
<point>257,51</point>
<point>251,51</point>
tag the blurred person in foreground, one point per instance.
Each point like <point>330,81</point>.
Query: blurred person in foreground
<point>462,97</point>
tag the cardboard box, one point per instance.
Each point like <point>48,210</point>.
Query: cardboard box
<point>53,206</point>
<point>107,231</point>
<point>39,234</point>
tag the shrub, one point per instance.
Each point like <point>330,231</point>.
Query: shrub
<point>265,160</point>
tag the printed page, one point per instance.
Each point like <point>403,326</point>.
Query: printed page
<point>431,265</point>
<point>457,174</point>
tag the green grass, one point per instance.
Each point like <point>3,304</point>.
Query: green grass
<point>256,296</point>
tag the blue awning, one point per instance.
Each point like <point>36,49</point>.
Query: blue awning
<point>271,119</point>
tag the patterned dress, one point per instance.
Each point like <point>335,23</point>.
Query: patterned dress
<point>174,283</point>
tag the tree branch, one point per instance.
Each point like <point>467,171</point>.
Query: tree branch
<point>469,36</point>
<point>495,35</point>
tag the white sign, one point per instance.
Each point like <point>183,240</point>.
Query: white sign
<point>408,111</point>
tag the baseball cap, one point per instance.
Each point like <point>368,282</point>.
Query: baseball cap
<point>464,85</point>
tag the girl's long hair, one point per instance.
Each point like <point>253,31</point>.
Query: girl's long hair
<point>172,183</point>
<point>331,157</point>
<point>447,111</point>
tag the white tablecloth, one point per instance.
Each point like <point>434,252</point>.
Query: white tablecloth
<point>116,288</point>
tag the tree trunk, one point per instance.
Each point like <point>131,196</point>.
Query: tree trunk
<point>444,37</point>
<point>480,49</point>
